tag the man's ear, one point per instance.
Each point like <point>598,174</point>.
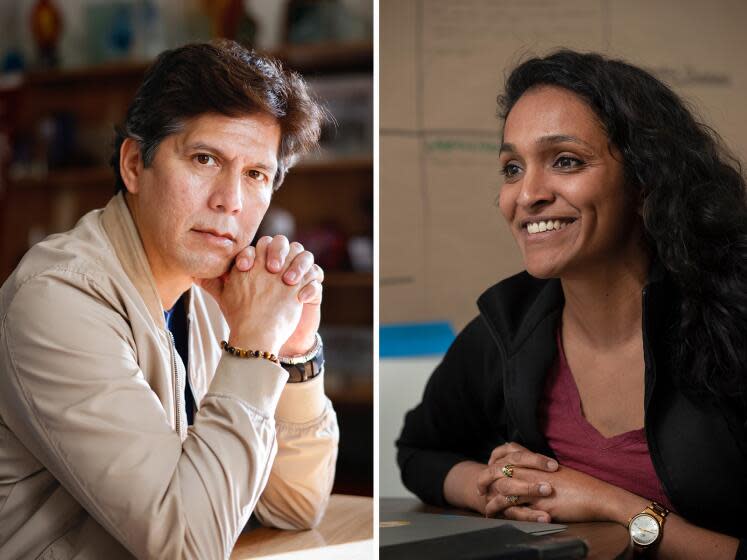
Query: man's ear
<point>130,164</point>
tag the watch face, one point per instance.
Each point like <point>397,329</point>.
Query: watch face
<point>644,529</point>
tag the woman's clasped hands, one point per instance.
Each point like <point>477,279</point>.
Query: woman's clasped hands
<point>526,486</point>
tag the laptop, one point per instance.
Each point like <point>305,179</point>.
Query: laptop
<point>413,535</point>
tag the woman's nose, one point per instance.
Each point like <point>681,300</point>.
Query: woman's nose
<point>535,190</point>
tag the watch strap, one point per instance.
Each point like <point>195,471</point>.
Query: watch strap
<point>298,372</point>
<point>659,513</point>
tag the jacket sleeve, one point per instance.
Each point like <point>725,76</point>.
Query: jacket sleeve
<point>73,392</point>
<point>302,475</point>
<point>459,418</point>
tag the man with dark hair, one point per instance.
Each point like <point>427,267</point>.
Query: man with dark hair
<point>161,379</point>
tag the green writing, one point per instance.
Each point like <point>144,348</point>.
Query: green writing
<point>452,145</point>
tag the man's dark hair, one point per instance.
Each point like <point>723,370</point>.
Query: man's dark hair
<point>225,78</point>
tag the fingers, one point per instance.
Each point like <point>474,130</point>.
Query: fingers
<point>524,489</point>
<point>278,254</point>
<point>502,451</point>
<point>245,259</point>
<point>523,492</point>
<point>517,459</point>
<point>299,263</point>
<point>277,251</point>
<point>260,253</point>
<point>524,513</point>
<point>515,454</point>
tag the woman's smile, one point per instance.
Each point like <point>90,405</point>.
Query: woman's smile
<point>564,195</point>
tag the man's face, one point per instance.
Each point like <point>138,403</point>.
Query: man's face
<point>204,195</point>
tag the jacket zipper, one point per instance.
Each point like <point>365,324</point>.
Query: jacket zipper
<point>175,372</point>
<point>650,366</point>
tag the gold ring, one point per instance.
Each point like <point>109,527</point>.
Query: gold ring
<point>513,500</point>
<point>508,471</point>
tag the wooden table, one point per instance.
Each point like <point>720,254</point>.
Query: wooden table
<point>345,532</point>
<point>605,540</point>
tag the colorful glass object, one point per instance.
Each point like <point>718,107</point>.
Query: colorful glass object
<point>46,27</point>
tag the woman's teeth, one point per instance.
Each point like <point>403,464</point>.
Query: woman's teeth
<point>539,227</point>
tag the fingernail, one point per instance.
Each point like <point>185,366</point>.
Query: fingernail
<point>544,489</point>
<point>291,276</point>
<point>479,492</point>
<point>543,519</point>
<point>243,263</point>
<point>552,465</point>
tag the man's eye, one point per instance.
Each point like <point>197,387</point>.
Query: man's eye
<point>205,159</point>
<point>256,175</point>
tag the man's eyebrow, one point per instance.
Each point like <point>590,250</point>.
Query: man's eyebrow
<point>212,149</point>
<point>548,141</point>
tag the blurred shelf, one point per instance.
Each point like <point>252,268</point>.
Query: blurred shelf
<point>340,279</point>
<point>312,58</point>
<point>360,394</point>
<point>93,177</point>
<point>355,163</point>
<point>328,57</point>
<point>73,76</point>
<point>79,177</point>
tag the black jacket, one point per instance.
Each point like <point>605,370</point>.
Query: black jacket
<point>487,389</point>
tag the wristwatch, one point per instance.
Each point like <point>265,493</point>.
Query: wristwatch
<point>646,528</point>
<point>306,366</point>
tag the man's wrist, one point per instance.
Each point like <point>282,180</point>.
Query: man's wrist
<point>299,347</point>
<point>259,342</point>
<point>306,366</point>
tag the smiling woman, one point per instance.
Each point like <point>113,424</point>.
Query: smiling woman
<point>607,382</point>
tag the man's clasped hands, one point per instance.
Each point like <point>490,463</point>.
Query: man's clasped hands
<point>270,297</point>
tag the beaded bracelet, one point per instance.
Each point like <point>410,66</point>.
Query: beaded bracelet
<point>241,353</point>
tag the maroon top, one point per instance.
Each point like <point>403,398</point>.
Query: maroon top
<point>622,460</point>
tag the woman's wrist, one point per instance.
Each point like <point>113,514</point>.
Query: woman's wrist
<point>620,505</point>
<point>460,486</point>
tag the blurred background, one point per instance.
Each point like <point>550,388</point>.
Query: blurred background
<point>441,65</point>
<point>68,72</point>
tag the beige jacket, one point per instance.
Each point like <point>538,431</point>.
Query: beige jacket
<point>96,458</point>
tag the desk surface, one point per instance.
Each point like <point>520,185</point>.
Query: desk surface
<point>348,519</point>
<point>605,540</point>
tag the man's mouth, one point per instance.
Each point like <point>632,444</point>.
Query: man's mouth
<point>217,233</point>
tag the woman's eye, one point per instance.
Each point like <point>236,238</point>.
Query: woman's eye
<point>509,170</point>
<point>567,162</point>
<point>205,159</point>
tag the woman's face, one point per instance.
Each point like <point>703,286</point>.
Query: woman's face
<point>564,196</point>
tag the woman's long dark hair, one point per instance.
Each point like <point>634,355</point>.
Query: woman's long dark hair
<point>694,205</point>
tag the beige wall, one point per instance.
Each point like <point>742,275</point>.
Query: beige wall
<point>442,241</point>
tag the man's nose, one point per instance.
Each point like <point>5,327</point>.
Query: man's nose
<point>227,192</point>
<point>535,190</point>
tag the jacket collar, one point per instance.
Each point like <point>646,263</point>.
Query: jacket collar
<point>125,238</point>
<point>515,307</point>
<point>522,314</point>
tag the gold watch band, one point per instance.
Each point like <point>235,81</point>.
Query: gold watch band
<point>659,513</point>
